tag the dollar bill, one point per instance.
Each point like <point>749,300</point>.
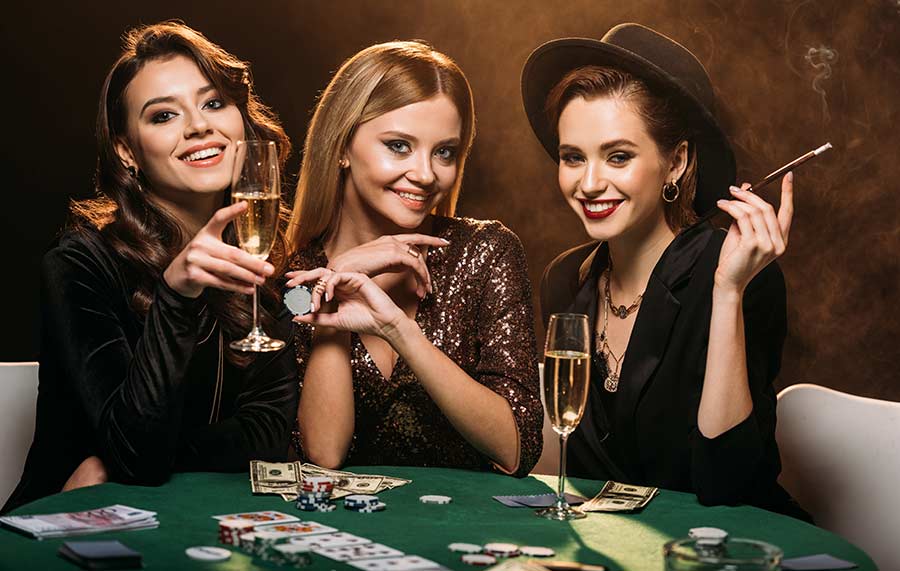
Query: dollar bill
<point>283,478</point>
<point>274,477</point>
<point>618,497</point>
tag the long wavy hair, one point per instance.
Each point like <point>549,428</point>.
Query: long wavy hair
<point>142,233</point>
<point>379,79</point>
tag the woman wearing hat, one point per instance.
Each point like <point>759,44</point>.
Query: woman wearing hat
<point>688,321</point>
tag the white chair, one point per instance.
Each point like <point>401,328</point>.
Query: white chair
<point>18,400</point>
<point>841,462</point>
<point>549,461</point>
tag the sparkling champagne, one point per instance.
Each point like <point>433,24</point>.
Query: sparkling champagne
<point>566,378</point>
<point>257,225</point>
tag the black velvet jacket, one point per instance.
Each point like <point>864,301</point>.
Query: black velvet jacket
<point>646,433</point>
<point>138,391</point>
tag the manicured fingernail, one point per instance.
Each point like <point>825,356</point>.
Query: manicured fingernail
<point>268,269</point>
<point>445,241</point>
<point>327,296</point>
<point>721,202</point>
<point>790,176</point>
<point>260,280</point>
<point>734,189</point>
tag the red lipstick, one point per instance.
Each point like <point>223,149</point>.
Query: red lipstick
<point>602,213</point>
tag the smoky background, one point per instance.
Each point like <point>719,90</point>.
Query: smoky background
<point>790,75</point>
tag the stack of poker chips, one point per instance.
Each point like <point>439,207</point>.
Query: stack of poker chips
<point>502,550</point>
<point>247,542</point>
<point>230,530</point>
<point>364,504</point>
<point>314,494</point>
<point>289,554</point>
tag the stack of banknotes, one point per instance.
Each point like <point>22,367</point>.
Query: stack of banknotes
<point>283,478</point>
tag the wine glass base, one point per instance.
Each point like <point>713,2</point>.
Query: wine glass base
<point>561,513</point>
<point>259,343</point>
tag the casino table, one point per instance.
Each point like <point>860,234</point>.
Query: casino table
<point>619,541</point>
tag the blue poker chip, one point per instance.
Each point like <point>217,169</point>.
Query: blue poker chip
<point>360,500</point>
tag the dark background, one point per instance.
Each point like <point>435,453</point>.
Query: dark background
<point>791,75</point>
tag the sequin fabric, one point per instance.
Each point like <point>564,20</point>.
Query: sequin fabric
<point>480,315</point>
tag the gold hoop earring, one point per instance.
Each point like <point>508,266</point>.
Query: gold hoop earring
<point>670,191</point>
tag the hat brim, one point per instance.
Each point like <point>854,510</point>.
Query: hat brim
<point>550,62</point>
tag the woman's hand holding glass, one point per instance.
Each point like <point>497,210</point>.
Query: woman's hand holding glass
<point>207,261</point>
<point>756,237</point>
<point>361,306</point>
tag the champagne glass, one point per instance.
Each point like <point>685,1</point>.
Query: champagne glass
<point>566,378</point>
<point>257,182</point>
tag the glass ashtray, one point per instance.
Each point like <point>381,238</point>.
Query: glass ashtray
<point>732,554</point>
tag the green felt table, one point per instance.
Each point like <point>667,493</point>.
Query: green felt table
<point>622,542</point>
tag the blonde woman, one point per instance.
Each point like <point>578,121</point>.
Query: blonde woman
<point>420,348</point>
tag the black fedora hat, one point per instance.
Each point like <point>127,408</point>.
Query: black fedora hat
<point>665,65</point>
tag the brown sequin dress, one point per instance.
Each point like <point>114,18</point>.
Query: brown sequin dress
<point>480,315</point>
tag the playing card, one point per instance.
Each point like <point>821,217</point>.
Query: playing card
<point>341,539</point>
<point>353,552</point>
<point>405,563</point>
<point>260,517</point>
<point>297,528</point>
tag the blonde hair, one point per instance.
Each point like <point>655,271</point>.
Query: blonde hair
<point>375,81</point>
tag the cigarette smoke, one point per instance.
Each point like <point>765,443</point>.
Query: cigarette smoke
<point>821,59</point>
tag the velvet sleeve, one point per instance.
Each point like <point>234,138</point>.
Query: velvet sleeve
<point>729,468</point>
<point>261,425</point>
<point>507,361</point>
<point>131,397</point>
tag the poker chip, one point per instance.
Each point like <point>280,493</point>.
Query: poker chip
<point>296,555</point>
<point>708,533</point>
<point>502,549</point>
<point>535,551</point>
<point>478,559</point>
<point>432,499</point>
<point>247,541</point>
<point>206,553</point>
<point>371,508</point>
<point>317,484</point>
<point>230,530</point>
<point>360,501</point>
<point>464,547</point>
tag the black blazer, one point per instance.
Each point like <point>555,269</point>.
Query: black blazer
<point>138,391</point>
<point>654,439</point>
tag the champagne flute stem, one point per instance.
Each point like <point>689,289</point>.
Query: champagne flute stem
<point>255,308</point>
<point>561,486</point>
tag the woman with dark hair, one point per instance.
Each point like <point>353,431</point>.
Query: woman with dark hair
<point>141,294</point>
<point>688,321</point>
<point>420,348</point>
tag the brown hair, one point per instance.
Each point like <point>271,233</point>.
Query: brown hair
<point>663,116</point>
<point>146,236</point>
<point>376,80</point>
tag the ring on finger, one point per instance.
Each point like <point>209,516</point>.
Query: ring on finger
<point>320,285</point>
<point>414,252</point>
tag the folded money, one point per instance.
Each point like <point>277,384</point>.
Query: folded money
<point>284,479</point>
<point>617,497</point>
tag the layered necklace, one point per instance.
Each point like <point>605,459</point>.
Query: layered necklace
<point>613,363</point>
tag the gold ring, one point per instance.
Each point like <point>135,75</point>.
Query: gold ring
<point>413,252</point>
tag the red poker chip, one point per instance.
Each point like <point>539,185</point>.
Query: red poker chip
<point>478,559</point>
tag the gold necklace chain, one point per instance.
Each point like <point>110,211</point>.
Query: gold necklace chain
<point>619,311</point>
<point>611,382</point>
